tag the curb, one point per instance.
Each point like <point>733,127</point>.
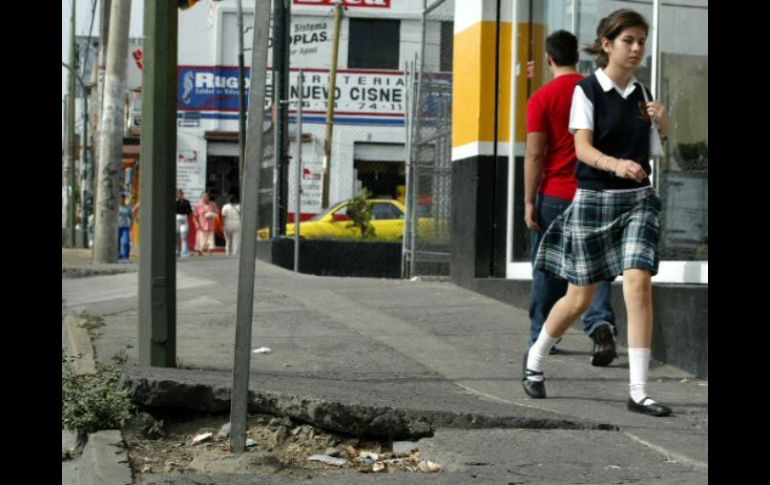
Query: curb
<point>80,346</point>
<point>85,271</point>
<point>178,389</point>
<point>104,460</point>
<point>70,447</point>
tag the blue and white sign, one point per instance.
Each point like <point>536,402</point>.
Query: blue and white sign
<point>373,97</point>
<point>208,88</point>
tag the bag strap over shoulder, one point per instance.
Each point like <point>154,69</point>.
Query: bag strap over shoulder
<point>647,100</point>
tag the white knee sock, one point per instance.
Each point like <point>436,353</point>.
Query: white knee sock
<point>538,351</point>
<point>638,363</point>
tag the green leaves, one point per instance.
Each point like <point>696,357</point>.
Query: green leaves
<point>96,402</point>
<point>360,213</point>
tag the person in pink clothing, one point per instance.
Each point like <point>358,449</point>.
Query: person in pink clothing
<point>204,216</point>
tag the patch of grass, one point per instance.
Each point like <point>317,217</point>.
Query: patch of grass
<point>95,402</point>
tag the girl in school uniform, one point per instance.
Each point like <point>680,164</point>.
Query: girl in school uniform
<point>613,224</point>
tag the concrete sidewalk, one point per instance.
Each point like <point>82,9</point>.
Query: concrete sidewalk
<point>429,356</point>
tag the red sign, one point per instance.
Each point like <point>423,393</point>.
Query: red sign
<point>347,3</point>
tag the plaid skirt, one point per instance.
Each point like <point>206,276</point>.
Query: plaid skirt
<point>601,234</point>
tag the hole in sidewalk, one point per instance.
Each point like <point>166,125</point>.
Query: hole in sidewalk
<point>275,445</point>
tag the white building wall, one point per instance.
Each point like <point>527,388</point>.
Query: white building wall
<point>208,38</point>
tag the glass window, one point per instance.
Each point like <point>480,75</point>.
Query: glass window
<point>547,17</point>
<point>341,214</point>
<point>374,43</point>
<point>683,171</point>
<point>382,211</point>
<point>681,83</point>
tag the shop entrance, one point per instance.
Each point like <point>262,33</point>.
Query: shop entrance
<point>383,179</point>
<point>222,181</point>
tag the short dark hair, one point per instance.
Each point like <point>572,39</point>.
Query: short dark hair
<point>562,47</point>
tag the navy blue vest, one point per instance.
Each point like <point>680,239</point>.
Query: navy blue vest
<point>621,130</point>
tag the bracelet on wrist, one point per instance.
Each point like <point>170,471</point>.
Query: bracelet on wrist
<point>598,159</point>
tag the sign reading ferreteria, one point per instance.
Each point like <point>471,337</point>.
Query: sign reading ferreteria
<point>359,92</point>
<point>347,3</point>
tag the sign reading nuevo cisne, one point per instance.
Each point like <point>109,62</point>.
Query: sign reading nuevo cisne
<point>347,3</point>
<point>363,95</point>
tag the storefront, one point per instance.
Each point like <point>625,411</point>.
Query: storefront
<point>490,242</point>
<point>368,142</point>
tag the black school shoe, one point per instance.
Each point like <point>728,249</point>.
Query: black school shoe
<point>651,409</point>
<point>534,389</point>
<point>603,352</point>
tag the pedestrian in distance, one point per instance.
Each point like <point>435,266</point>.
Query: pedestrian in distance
<point>183,211</point>
<point>125,219</point>
<point>231,218</point>
<point>204,217</point>
<point>612,226</point>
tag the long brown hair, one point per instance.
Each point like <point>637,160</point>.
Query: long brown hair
<point>610,27</point>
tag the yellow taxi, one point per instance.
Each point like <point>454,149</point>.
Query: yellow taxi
<point>387,219</point>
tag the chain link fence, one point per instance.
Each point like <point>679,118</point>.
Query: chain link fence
<point>429,139</point>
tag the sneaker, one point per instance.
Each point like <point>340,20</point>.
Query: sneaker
<point>603,352</point>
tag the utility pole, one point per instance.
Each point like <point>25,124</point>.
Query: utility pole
<point>241,99</point>
<point>330,100</point>
<point>101,64</point>
<point>239,397</point>
<point>157,264</point>
<point>111,134</point>
<point>65,153</point>
<point>298,172</point>
<point>104,33</point>
<point>281,24</point>
<point>86,167</point>
<point>71,131</point>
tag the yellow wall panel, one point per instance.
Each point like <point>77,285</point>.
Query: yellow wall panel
<point>474,80</point>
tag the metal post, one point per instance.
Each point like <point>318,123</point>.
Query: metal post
<point>242,100</point>
<point>330,100</point>
<point>655,162</point>
<point>157,264</point>
<point>405,249</point>
<point>71,147</point>
<point>418,78</point>
<point>283,117</point>
<point>298,173</point>
<point>280,93</point>
<point>239,397</point>
<point>419,69</point>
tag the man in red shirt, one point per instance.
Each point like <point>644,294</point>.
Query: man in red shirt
<point>550,185</point>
